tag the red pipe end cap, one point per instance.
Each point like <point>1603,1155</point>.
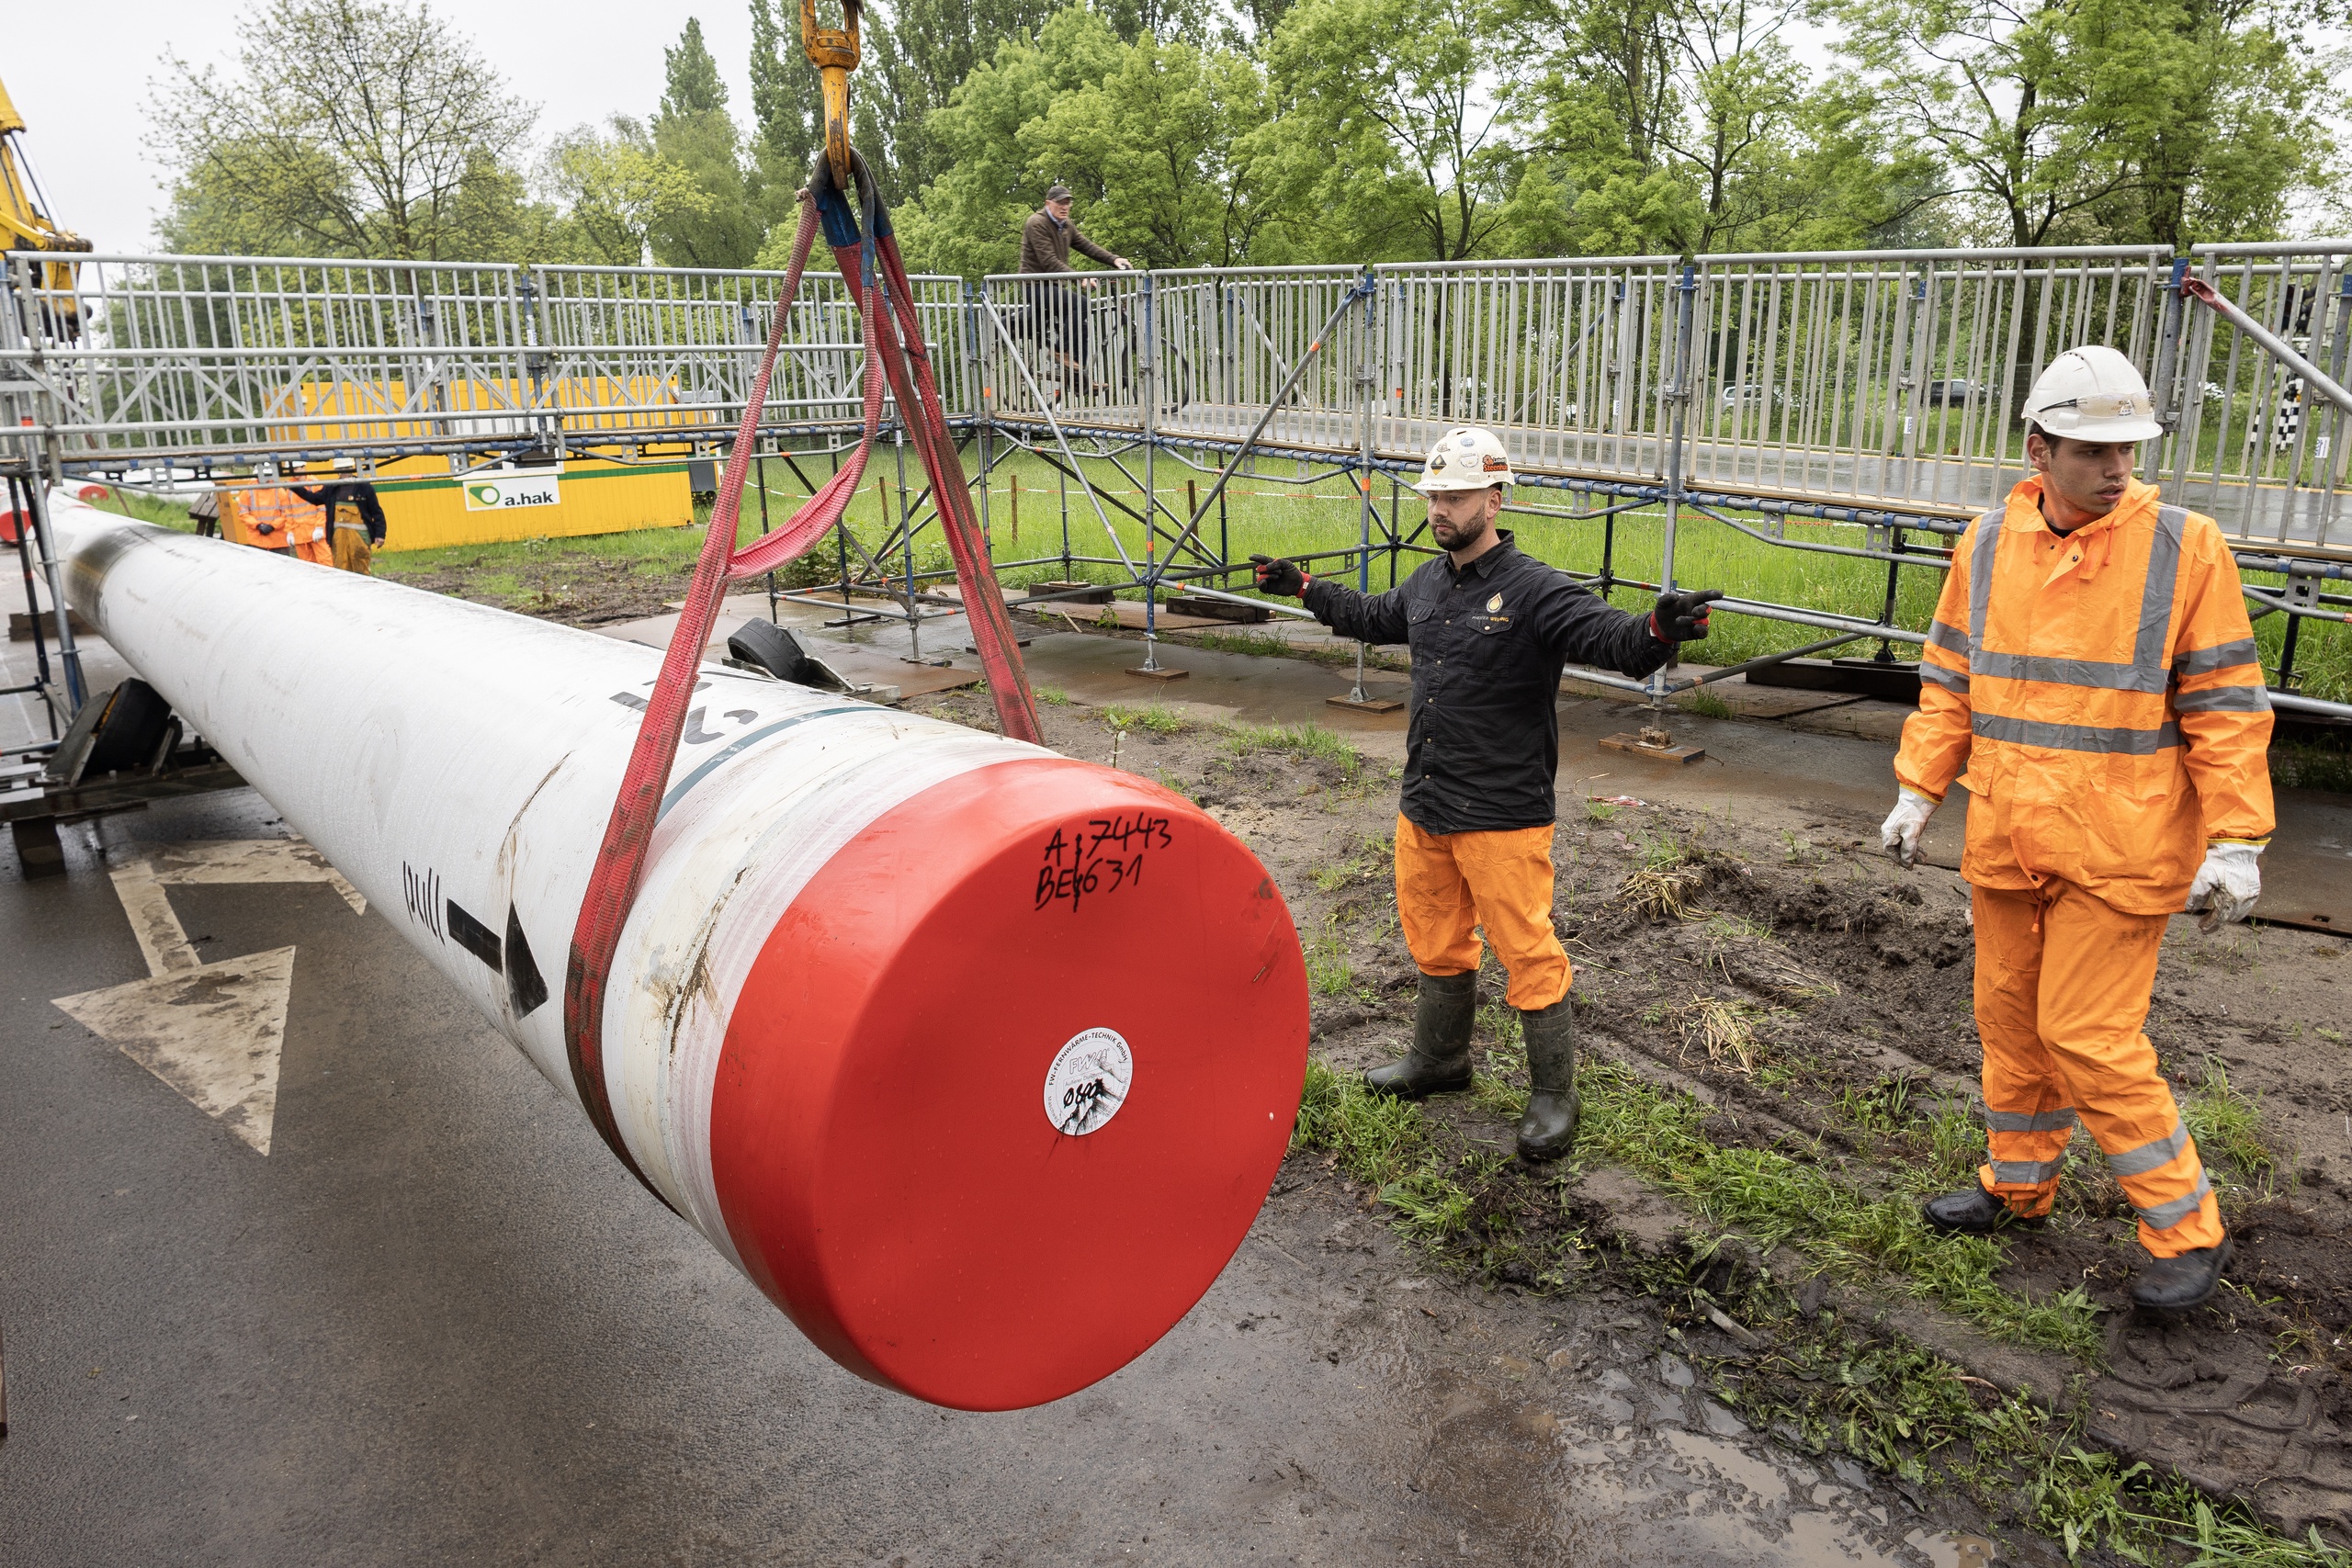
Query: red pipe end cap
<point>1009,1081</point>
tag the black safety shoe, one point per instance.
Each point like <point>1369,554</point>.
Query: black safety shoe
<point>2182,1283</point>
<point>1439,1059</point>
<point>1973,1212</point>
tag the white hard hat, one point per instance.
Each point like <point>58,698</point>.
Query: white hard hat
<point>1468,457</point>
<point>2093,393</point>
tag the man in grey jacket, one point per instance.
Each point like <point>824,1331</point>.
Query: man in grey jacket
<point>1055,310</point>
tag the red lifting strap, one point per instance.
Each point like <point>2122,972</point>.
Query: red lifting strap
<point>895,353</point>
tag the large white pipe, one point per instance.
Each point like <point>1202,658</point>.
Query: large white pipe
<point>977,1059</point>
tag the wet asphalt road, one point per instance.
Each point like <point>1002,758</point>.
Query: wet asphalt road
<point>437,1324</point>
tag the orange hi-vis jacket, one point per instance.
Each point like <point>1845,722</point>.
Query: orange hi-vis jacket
<point>277,519</point>
<point>2102,692</point>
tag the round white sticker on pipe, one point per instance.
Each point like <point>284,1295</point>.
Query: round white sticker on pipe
<point>1088,1082</point>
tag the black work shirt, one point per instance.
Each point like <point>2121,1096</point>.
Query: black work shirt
<point>1488,643</point>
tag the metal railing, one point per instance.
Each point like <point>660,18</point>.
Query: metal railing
<point>1740,391</point>
<point>186,361</point>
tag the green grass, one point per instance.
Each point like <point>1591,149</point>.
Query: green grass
<point>1855,1235</point>
<point>1330,971</point>
<point>1373,1138</point>
<point>2227,1126</point>
<point>1310,740</point>
<point>164,513</point>
<point>1153,716</point>
<point>1265,644</point>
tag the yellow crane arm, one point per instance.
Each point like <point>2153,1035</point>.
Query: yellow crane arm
<point>24,223</point>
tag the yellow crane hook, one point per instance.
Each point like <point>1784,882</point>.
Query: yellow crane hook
<point>834,52</point>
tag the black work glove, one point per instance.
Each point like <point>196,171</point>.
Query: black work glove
<point>1681,616</point>
<point>1279,576</point>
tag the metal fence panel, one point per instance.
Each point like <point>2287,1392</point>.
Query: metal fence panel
<point>188,355</point>
<point>2253,448</point>
<point>1895,377</point>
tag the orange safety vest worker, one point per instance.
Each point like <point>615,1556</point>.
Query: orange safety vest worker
<point>277,519</point>
<point>2102,692</point>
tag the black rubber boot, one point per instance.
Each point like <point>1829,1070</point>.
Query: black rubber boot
<point>1975,1212</point>
<point>1439,1059</point>
<point>1548,1129</point>
<point>2179,1284</point>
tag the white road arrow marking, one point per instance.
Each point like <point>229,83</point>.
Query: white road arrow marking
<point>250,860</point>
<point>213,1032</point>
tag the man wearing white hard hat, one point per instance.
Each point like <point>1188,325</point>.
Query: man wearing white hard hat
<point>1490,629</point>
<point>2092,680</point>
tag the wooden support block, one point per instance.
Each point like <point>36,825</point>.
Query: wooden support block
<point>1094,593</point>
<point>1370,704</point>
<point>1161,674</point>
<point>1634,746</point>
<point>37,852</point>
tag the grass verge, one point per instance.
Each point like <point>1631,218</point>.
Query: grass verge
<point>1809,1377</point>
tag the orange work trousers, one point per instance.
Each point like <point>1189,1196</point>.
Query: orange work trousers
<point>2062,990</point>
<point>1451,885</point>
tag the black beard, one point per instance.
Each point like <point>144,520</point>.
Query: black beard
<point>1466,533</point>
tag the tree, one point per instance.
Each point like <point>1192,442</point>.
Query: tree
<point>923,52</point>
<point>351,128</point>
<point>1398,120</point>
<point>1160,150</point>
<point>696,136</point>
<point>787,111</point>
<point>969,220</point>
<point>2156,120</point>
<point>615,191</point>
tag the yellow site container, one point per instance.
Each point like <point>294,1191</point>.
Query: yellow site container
<point>426,507</point>
<point>424,510</point>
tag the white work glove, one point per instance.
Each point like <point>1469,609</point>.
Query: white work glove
<point>1900,834</point>
<point>2227,884</point>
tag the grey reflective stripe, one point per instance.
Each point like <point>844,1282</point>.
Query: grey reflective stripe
<point>2218,699</point>
<point>2027,1173</point>
<point>2150,1156</point>
<point>2221,656</point>
<point>1949,680</point>
<point>1980,571</point>
<point>1951,639</point>
<point>2035,1121</point>
<point>2076,737</point>
<point>2070,671</point>
<point>2155,598</point>
<point>2147,671</point>
<point>2164,1216</point>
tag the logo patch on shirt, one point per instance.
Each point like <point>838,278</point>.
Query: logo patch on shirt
<point>1494,604</point>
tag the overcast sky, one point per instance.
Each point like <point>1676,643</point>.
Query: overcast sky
<point>82,78</point>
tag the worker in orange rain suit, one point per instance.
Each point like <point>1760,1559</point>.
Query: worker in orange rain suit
<point>2092,669</point>
<point>1489,629</point>
<point>277,519</point>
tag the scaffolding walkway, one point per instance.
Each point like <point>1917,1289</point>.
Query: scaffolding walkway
<point>1877,390</point>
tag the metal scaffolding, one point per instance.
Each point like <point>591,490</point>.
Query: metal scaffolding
<point>1743,392</point>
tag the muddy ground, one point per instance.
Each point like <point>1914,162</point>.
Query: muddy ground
<point>572,586</point>
<point>1812,1000</point>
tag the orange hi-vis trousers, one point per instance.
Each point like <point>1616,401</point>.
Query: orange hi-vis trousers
<point>1450,885</point>
<point>2062,990</point>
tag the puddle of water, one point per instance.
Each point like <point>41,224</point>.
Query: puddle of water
<point>1952,1549</point>
<point>1761,1480</point>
